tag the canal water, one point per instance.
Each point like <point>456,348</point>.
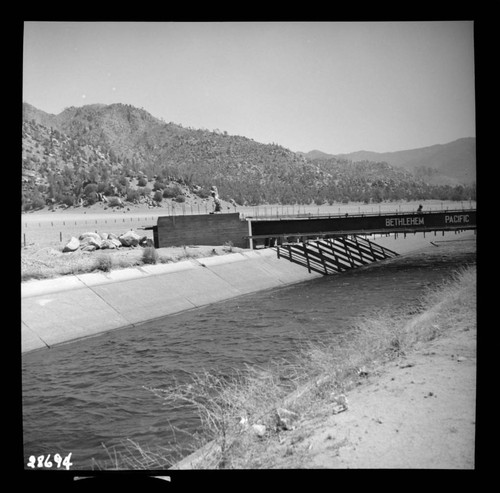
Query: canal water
<point>87,397</point>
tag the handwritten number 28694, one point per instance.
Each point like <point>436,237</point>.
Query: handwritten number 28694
<point>43,461</point>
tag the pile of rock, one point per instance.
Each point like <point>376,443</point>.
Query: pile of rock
<point>88,242</point>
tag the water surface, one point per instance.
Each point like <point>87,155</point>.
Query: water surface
<point>81,395</point>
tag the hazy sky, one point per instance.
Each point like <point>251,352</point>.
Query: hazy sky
<point>336,87</point>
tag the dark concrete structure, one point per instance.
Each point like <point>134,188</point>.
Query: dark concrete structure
<point>201,229</point>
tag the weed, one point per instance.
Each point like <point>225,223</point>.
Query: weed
<point>104,262</point>
<point>150,255</point>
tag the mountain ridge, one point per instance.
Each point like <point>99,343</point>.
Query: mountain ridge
<point>455,160</point>
<point>124,151</point>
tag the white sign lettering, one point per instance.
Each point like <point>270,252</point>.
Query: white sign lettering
<point>456,218</point>
<point>404,221</point>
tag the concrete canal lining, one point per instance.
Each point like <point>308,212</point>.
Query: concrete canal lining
<point>68,308</point>
<point>60,310</point>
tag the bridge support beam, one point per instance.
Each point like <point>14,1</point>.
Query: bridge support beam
<point>333,255</point>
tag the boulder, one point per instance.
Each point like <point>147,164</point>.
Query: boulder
<point>108,244</point>
<point>88,248</point>
<point>89,234</point>
<point>259,430</point>
<point>93,242</point>
<point>115,242</point>
<point>72,245</point>
<point>129,239</point>
<point>104,236</point>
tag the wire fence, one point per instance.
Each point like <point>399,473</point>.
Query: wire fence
<point>58,231</point>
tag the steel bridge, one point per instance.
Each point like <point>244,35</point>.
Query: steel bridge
<point>334,243</point>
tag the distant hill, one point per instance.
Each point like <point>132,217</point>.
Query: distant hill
<point>97,151</point>
<point>452,163</point>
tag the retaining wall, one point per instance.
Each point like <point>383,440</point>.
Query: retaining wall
<point>201,229</point>
<point>72,307</point>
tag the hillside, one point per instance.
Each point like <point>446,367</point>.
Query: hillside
<point>118,153</point>
<point>452,163</point>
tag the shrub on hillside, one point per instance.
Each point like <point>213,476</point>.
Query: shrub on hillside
<point>144,191</point>
<point>158,196</point>
<point>132,195</point>
<point>91,198</point>
<point>172,191</point>
<point>158,185</point>
<point>89,189</point>
<point>180,198</point>
<point>114,202</point>
<point>35,203</point>
<point>68,200</point>
<point>203,193</point>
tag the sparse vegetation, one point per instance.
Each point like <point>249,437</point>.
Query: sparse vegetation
<point>48,262</point>
<point>228,407</point>
<point>150,255</point>
<point>104,262</point>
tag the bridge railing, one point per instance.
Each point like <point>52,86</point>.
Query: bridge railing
<point>288,212</point>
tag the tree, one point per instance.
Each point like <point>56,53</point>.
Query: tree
<point>91,198</point>
<point>158,185</point>
<point>132,195</point>
<point>89,189</point>
<point>172,191</point>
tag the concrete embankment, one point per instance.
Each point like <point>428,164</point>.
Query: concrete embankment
<point>60,310</point>
<point>72,307</point>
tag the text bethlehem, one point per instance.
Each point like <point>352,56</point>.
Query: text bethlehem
<point>404,221</point>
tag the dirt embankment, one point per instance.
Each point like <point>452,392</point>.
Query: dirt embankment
<point>416,413</point>
<point>409,403</point>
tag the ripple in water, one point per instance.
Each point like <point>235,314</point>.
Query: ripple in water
<point>79,396</point>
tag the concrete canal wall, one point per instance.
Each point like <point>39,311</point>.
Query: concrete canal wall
<point>60,310</point>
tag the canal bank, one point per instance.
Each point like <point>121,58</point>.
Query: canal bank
<point>56,311</point>
<point>414,408</point>
<point>68,308</point>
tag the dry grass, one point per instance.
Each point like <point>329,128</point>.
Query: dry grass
<point>228,407</point>
<point>51,262</point>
